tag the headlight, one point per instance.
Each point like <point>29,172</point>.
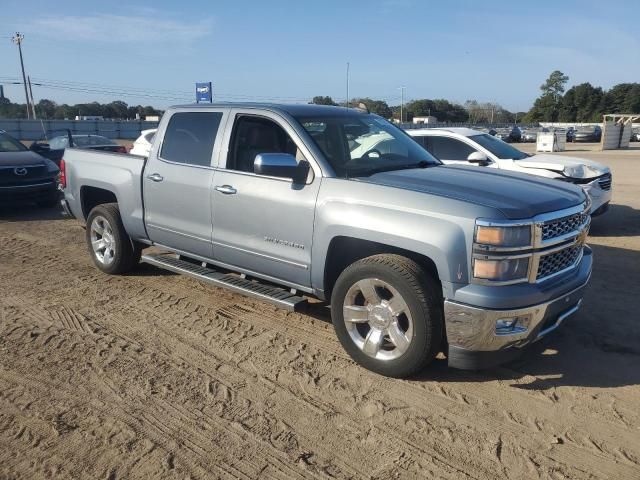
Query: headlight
<point>583,171</point>
<point>504,236</point>
<point>501,270</point>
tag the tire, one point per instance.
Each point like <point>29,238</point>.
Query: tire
<point>400,331</point>
<point>117,254</point>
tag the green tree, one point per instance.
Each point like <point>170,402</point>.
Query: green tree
<point>554,85</point>
<point>442,109</point>
<point>46,108</point>
<point>546,108</point>
<point>581,103</point>
<point>379,107</point>
<point>320,100</point>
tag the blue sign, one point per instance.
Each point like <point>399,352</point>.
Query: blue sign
<point>204,92</point>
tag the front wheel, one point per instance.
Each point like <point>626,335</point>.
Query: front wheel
<point>387,313</point>
<point>109,244</point>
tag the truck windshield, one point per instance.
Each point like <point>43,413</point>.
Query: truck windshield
<point>500,149</point>
<point>361,145</point>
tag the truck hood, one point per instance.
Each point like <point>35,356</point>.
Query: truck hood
<point>19,159</point>
<point>516,195</point>
<point>573,167</point>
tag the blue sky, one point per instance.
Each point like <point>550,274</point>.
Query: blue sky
<point>292,50</point>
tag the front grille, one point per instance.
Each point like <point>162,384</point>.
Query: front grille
<point>8,175</point>
<point>558,261</point>
<point>605,181</point>
<point>562,226</point>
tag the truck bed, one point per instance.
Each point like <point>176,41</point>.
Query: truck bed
<point>118,173</point>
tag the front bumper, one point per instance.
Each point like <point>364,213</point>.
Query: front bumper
<point>474,341</point>
<point>38,190</point>
<point>598,196</point>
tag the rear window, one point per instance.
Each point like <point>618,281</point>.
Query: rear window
<point>92,141</point>
<point>190,136</point>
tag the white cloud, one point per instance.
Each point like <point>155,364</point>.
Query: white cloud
<point>123,29</point>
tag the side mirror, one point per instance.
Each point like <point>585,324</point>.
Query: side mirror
<point>478,157</point>
<point>39,147</point>
<point>283,165</point>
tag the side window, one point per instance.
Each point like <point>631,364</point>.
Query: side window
<point>254,135</point>
<point>190,136</point>
<point>421,140</point>
<point>450,149</point>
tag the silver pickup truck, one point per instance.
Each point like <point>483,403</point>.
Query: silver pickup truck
<point>415,258</point>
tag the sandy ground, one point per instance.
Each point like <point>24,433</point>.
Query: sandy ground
<point>153,375</point>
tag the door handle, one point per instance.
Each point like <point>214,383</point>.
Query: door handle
<point>226,189</point>
<point>156,177</point>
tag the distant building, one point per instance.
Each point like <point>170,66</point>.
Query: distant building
<point>89,117</point>
<point>152,118</point>
<point>426,120</point>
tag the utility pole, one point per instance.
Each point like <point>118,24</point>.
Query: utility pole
<point>401,104</point>
<point>17,39</point>
<point>33,104</point>
<point>347,84</point>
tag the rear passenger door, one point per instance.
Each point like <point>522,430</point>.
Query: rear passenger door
<point>177,181</point>
<point>449,150</point>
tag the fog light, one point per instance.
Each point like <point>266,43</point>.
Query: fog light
<point>512,325</point>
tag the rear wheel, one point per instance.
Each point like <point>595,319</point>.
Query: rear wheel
<point>109,244</point>
<point>387,313</point>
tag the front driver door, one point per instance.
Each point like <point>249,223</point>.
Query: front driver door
<point>264,224</point>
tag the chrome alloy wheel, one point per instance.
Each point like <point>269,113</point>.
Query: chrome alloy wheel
<point>102,241</point>
<point>378,319</point>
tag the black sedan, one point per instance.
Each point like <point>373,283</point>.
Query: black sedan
<point>25,176</point>
<point>54,149</point>
<point>588,134</point>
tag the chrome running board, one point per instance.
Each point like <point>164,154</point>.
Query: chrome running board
<point>279,296</point>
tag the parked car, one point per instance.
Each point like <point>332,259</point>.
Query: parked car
<point>571,133</point>
<point>414,257</point>
<point>142,145</point>
<point>55,147</point>
<point>25,176</point>
<point>531,135</point>
<point>513,134</point>
<point>635,135</point>
<point>467,146</point>
<point>588,134</point>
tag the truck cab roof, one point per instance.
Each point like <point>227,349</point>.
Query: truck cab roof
<point>294,109</point>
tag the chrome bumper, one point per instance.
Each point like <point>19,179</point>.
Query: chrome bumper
<point>65,208</point>
<point>472,331</point>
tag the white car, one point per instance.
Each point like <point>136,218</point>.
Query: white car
<point>142,146</point>
<point>467,146</point>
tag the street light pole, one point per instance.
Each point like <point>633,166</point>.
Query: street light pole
<point>17,39</point>
<point>347,84</point>
<point>402,104</point>
<point>33,104</point>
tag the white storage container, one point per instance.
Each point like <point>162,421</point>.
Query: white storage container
<point>551,141</point>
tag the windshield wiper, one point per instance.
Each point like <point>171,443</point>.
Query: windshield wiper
<point>391,168</point>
